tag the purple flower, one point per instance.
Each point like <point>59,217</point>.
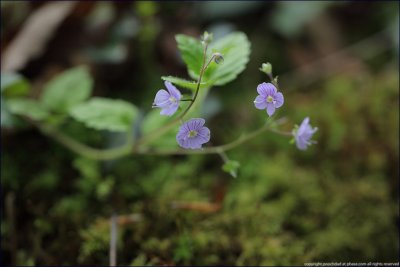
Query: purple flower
<point>269,98</point>
<point>193,134</point>
<point>167,101</point>
<point>303,134</point>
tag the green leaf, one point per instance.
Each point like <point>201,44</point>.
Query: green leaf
<point>105,114</point>
<point>67,89</point>
<point>231,167</point>
<point>27,107</point>
<point>13,84</point>
<point>192,53</point>
<point>235,48</point>
<point>184,83</point>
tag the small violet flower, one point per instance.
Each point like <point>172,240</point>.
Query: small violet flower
<point>192,134</point>
<point>269,98</point>
<point>167,101</point>
<point>303,134</point>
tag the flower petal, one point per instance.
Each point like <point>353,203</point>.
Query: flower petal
<point>195,124</point>
<point>203,135</point>
<point>279,100</point>
<point>304,134</point>
<point>170,110</point>
<point>301,143</point>
<point>162,98</point>
<point>260,102</point>
<point>303,126</point>
<point>266,89</point>
<point>194,143</point>
<point>270,109</point>
<point>172,90</point>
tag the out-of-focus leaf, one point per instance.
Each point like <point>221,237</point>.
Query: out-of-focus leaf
<point>290,18</point>
<point>234,47</point>
<point>105,114</point>
<point>102,14</point>
<point>146,8</point>
<point>231,167</point>
<point>152,121</point>
<point>183,83</point>
<point>13,84</point>
<point>222,9</point>
<point>27,107</point>
<point>113,53</point>
<point>67,89</point>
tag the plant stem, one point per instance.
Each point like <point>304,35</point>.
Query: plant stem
<point>216,149</point>
<point>84,150</point>
<point>162,130</point>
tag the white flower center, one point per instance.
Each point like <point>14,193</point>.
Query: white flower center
<point>270,99</point>
<point>192,133</point>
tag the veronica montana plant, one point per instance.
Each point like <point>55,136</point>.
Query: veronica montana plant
<point>209,64</point>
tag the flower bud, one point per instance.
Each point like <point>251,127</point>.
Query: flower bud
<point>266,68</point>
<point>218,58</point>
<point>207,37</point>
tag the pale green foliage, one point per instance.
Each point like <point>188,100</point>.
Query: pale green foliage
<point>67,89</point>
<point>234,47</point>
<point>105,114</point>
<point>192,53</point>
<point>27,107</point>
<point>152,122</point>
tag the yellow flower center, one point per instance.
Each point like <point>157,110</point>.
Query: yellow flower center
<point>269,99</point>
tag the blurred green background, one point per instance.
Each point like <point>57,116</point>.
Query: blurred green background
<point>337,62</point>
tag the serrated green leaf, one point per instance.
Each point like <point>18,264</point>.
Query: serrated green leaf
<point>105,114</point>
<point>27,107</point>
<point>183,83</point>
<point>192,53</point>
<point>13,84</point>
<point>234,47</point>
<point>67,89</point>
<point>231,167</point>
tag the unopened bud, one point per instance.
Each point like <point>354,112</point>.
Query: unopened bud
<point>207,37</point>
<point>218,58</point>
<point>266,68</point>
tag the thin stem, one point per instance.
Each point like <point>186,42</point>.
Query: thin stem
<point>217,149</point>
<point>84,150</point>
<point>203,68</point>
<point>162,130</point>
